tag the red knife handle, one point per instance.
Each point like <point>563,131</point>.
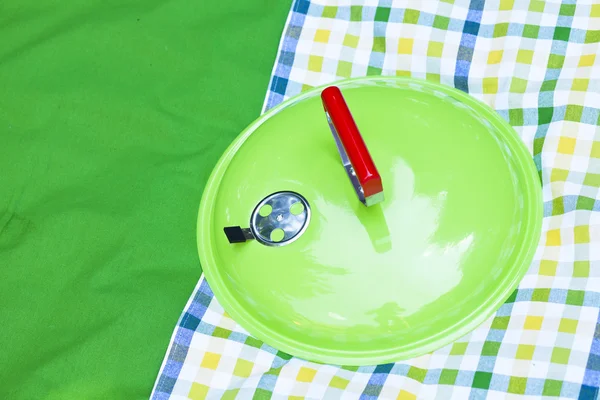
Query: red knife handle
<point>356,150</point>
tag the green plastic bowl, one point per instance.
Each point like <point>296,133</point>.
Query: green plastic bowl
<point>362,285</point>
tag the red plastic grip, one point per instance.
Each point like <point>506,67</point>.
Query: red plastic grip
<point>350,137</point>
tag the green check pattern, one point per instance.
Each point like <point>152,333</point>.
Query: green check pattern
<point>536,63</point>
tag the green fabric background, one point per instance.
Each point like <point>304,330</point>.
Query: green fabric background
<point>112,115</point>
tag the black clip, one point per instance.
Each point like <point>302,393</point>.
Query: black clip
<point>237,234</point>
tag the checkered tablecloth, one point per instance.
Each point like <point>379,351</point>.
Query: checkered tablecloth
<point>536,63</point>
